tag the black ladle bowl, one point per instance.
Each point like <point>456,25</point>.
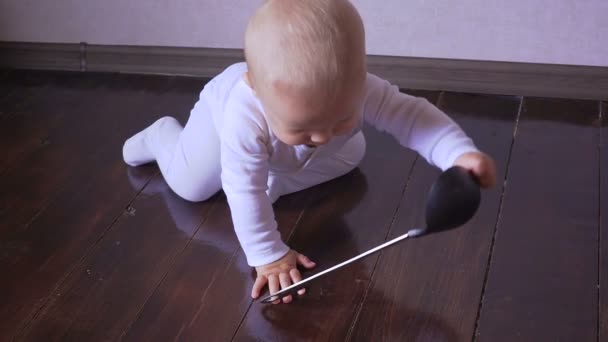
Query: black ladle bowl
<point>452,201</point>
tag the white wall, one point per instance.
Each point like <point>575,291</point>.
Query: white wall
<point>543,31</point>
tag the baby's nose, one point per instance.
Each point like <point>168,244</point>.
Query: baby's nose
<point>320,138</point>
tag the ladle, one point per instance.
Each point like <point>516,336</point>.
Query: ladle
<point>452,201</point>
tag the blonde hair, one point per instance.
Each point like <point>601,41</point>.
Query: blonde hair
<point>314,45</point>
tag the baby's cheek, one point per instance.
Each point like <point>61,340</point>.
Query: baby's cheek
<point>344,129</point>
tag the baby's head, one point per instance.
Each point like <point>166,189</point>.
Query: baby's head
<point>306,64</point>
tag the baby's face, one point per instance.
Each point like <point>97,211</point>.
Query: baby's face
<point>296,119</point>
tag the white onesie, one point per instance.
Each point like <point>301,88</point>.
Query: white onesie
<point>227,144</point>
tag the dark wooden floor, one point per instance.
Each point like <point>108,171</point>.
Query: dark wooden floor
<point>91,249</point>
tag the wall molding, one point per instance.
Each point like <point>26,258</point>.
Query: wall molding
<point>506,78</point>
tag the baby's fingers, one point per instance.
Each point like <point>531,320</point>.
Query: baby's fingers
<point>486,173</point>
<point>259,284</point>
<point>274,286</point>
<point>304,261</point>
<point>297,277</point>
<point>285,282</point>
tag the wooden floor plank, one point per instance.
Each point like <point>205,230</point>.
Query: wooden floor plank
<point>429,289</point>
<point>41,258</point>
<point>105,292</point>
<point>32,110</point>
<point>206,293</point>
<point>5,87</point>
<point>42,147</point>
<point>61,124</point>
<point>354,217</point>
<point>88,200</point>
<point>603,314</point>
<point>542,284</point>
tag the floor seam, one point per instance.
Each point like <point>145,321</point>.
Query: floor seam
<point>498,218</point>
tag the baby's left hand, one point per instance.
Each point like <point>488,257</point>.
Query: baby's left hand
<point>481,165</point>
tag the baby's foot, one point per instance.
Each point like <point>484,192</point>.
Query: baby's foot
<point>135,152</point>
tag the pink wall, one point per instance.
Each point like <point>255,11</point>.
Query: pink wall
<point>543,31</point>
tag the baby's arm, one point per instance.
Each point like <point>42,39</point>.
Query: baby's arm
<point>244,158</point>
<point>421,126</point>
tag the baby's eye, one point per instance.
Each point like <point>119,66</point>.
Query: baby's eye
<point>296,131</point>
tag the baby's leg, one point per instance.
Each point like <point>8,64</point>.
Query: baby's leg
<point>188,157</point>
<point>320,170</point>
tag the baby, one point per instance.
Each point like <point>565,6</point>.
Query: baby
<point>289,118</point>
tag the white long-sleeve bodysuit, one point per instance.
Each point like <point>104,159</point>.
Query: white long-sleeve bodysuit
<point>227,144</point>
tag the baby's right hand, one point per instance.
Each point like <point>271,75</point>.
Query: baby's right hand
<point>280,274</point>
